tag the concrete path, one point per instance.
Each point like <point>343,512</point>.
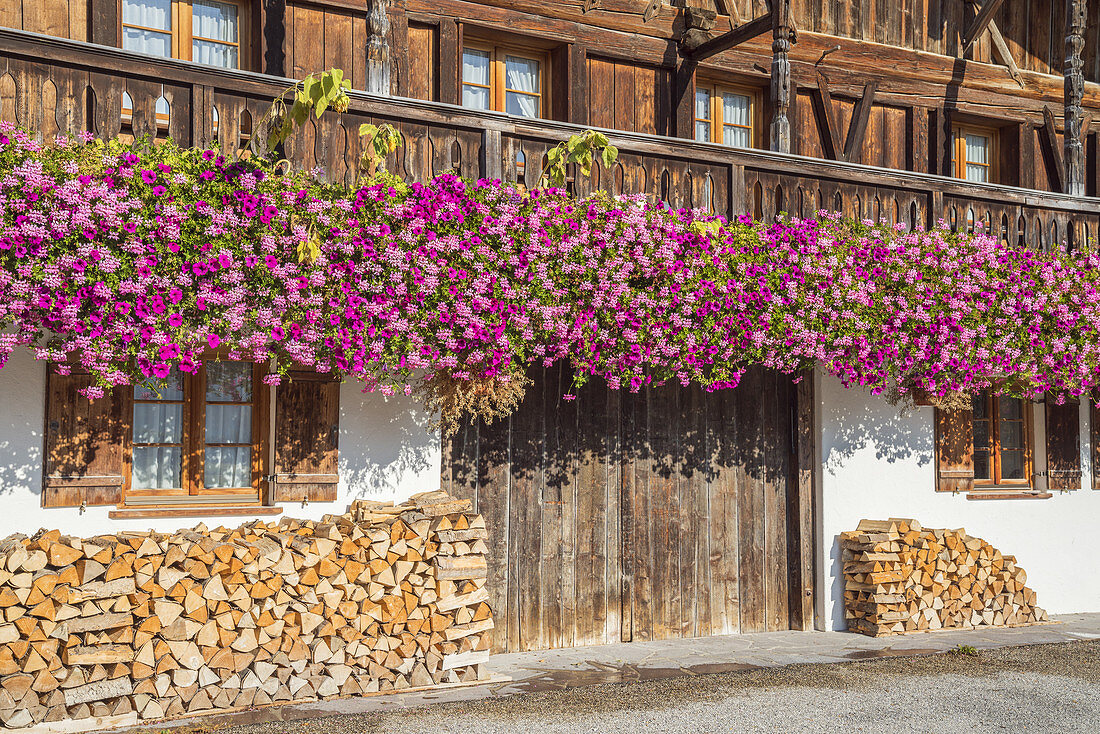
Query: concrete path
<point>550,670</point>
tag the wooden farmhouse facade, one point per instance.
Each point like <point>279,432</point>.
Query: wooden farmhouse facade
<point>617,516</point>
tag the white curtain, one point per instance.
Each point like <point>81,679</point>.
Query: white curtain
<point>702,115</point>
<point>212,22</point>
<point>150,14</point>
<point>736,124</point>
<point>227,466</point>
<point>521,82</point>
<point>977,157</point>
<point>156,467</point>
<point>228,423</point>
<point>475,79</point>
<point>158,422</point>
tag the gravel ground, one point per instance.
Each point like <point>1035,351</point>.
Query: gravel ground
<point>1041,688</point>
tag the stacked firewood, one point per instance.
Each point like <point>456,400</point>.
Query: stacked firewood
<point>900,577</point>
<point>152,626</point>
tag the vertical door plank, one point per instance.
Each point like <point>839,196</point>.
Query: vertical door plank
<point>777,431</point>
<point>611,468</point>
<point>750,490</point>
<point>552,558</point>
<point>721,421</point>
<point>627,510</point>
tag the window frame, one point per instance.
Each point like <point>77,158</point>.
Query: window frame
<point>959,160</point>
<point>182,31</point>
<point>717,122</point>
<point>995,480</point>
<point>193,441</point>
<point>497,90</point>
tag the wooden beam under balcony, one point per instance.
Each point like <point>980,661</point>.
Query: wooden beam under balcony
<point>699,50</point>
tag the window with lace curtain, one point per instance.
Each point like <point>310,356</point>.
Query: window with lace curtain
<point>504,79</point>
<point>725,115</point>
<point>973,154</point>
<point>198,437</point>
<point>210,32</point>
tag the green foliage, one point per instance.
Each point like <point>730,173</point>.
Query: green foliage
<point>378,142</point>
<point>968,650</point>
<point>580,149</point>
<point>314,94</point>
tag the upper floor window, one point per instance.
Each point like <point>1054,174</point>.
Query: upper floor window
<point>206,31</point>
<point>1002,445</point>
<point>724,115</point>
<point>503,79</point>
<point>973,155</point>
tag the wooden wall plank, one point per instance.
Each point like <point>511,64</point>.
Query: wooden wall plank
<point>420,72</point>
<point>307,44</point>
<point>623,117</point>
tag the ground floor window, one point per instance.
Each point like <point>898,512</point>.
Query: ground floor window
<point>1002,445</point>
<point>197,435</point>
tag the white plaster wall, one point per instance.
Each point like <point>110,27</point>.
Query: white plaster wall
<point>877,465</point>
<point>386,453</point>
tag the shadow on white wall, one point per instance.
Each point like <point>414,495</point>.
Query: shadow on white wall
<point>387,449</point>
<point>865,422</point>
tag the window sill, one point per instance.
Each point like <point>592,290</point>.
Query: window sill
<point>138,513</point>
<point>1007,494</point>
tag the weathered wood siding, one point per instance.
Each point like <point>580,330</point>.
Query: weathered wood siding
<point>627,96</point>
<point>61,18</point>
<point>618,516</point>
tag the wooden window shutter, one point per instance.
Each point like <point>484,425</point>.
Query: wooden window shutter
<point>1063,446</point>
<point>307,432</point>
<point>86,452</point>
<point>954,450</point>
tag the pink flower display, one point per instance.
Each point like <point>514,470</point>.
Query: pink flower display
<point>130,261</point>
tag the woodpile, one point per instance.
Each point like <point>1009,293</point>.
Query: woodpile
<point>156,626</point>
<point>900,577</point>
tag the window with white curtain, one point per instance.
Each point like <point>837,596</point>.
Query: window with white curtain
<point>196,434</point>
<point>503,79</point>
<point>724,115</point>
<point>973,154</point>
<point>205,31</point>
<point>703,116</point>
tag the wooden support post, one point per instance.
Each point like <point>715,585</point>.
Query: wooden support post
<point>378,48</point>
<point>783,37</point>
<point>1073,181</point>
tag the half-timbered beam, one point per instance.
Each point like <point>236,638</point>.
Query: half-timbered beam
<point>783,36</point>
<point>1073,180</point>
<point>735,37</point>
<point>857,128</point>
<point>829,128</point>
<point>1000,48</point>
<point>980,22</point>
<point>1056,154</point>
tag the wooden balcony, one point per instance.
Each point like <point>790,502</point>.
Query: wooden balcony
<point>54,85</point>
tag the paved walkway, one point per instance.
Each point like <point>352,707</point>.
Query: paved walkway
<point>547,670</point>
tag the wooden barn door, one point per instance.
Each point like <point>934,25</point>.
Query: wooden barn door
<point>617,516</point>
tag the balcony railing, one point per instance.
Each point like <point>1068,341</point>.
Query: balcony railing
<point>54,85</point>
